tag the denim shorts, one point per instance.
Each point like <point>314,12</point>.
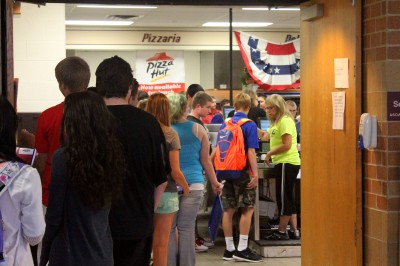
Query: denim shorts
<point>169,203</point>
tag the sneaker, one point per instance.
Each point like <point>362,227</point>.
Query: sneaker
<point>199,246</point>
<point>228,255</point>
<point>209,244</point>
<point>277,236</point>
<point>246,255</point>
<point>294,234</point>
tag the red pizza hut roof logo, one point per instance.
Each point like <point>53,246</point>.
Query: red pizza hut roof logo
<point>160,57</point>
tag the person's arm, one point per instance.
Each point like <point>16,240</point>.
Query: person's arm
<point>32,220</point>
<point>55,209</point>
<point>176,172</point>
<point>252,158</point>
<point>40,164</point>
<point>158,191</point>
<point>263,135</point>
<point>163,168</point>
<point>212,156</point>
<point>206,162</point>
<point>26,139</point>
<point>285,146</point>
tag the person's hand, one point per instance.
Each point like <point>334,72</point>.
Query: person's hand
<point>253,182</point>
<point>186,191</point>
<point>267,158</point>
<point>26,139</point>
<point>217,187</point>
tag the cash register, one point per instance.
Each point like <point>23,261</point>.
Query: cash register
<point>263,124</point>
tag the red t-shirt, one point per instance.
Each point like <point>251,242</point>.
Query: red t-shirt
<point>209,117</point>
<point>47,140</point>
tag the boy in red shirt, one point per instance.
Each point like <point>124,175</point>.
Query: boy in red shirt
<point>73,75</point>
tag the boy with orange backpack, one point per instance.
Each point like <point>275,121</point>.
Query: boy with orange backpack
<point>235,161</point>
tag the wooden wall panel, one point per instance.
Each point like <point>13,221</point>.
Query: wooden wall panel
<point>331,163</point>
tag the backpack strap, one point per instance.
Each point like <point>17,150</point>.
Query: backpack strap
<point>8,170</point>
<point>242,121</point>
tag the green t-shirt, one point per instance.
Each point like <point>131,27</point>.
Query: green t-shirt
<point>285,126</point>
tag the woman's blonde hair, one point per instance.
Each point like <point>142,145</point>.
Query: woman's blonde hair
<point>177,103</point>
<point>253,96</point>
<point>158,105</point>
<point>281,108</point>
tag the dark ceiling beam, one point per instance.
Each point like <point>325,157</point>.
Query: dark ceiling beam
<point>178,2</point>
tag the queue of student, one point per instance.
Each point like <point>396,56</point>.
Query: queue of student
<point>109,188</point>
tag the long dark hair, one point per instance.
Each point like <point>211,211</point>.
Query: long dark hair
<point>95,162</point>
<point>8,129</point>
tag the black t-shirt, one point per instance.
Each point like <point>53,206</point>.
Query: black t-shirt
<point>254,113</point>
<point>195,119</point>
<point>198,121</point>
<point>143,141</point>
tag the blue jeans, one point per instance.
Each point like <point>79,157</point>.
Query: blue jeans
<point>183,252</point>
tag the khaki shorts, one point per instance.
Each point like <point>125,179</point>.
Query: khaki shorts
<point>235,195</point>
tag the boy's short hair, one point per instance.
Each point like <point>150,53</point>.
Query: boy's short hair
<point>74,73</point>
<point>201,98</point>
<point>242,101</point>
<point>224,101</point>
<point>193,89</point>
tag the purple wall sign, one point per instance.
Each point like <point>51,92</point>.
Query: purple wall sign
<point>393,106</point>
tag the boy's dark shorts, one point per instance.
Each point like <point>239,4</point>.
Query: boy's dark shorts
<point>235,195</point>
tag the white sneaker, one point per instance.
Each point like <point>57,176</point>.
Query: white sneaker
<point>209,244</point>
<point>199,246</point>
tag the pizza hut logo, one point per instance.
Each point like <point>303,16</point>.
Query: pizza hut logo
<point>159,65</point>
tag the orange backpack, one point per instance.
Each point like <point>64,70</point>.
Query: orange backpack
<point>230,157</point>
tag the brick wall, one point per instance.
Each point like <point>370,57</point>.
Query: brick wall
<point>381,167</point>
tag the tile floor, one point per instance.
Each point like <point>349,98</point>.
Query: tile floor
<point>214,256</point>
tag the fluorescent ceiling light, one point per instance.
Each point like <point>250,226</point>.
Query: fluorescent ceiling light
<point>237,24</point>
<point>272,9</point>
<point>98,22</point>
<point>116,6</point>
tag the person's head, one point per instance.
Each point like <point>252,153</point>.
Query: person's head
<point>224,102</point>
<point>213,104</point>
<point>253,96</point>
<point>191,91</point>
<point>143,95</point>
<point>178,105</point>
<point>242,102</point>
<point>134,100</point>
<point>114,78</point>
<point>8,128</point>
<point>276,108</point>
<point>201,104</point>
<point>292,107</point>
<point>158,105</point>
<point>261,101</point>
<point>94,156</point>
<point>142,104</point>
<point>72,74</point>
